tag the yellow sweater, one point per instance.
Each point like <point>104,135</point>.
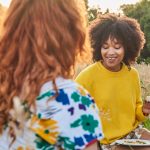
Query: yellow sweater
<point>118,97</point>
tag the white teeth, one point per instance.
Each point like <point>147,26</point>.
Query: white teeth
<point>112,58</point>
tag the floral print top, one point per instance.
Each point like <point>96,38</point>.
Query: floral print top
<point>68,121</point>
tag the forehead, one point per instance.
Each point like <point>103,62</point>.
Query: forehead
<point>112,40</point>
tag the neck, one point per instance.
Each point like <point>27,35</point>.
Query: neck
<point>113,69</point>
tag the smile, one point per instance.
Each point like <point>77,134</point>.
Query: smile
<point>111,58</point>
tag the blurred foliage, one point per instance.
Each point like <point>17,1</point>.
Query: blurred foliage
<point>145,86</point>
<point>147,124</point>
<point>143,60</point>
<point>86,3</point>
<point>141,12</point>
<point>94,12</point>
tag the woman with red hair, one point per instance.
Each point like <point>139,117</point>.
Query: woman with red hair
<point>40,106</point>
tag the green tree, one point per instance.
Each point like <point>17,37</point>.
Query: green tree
<point>141,12</point>
<point>93,13</point>
<point>86,4</point>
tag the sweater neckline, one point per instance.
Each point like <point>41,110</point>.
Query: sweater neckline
<point>111,73</point>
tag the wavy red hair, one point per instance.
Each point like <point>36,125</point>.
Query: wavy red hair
<point>41,40</point>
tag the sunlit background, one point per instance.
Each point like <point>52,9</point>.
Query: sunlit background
<point>5,2</point>
<point>113,6</point>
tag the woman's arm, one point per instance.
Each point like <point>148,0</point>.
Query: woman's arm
<point>93,146</point>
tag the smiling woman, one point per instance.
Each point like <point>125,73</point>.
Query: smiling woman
<point>113,82</point>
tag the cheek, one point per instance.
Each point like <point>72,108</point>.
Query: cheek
<point>122,53</point>
<point>102,53</point>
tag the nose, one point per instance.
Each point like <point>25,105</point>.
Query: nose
<point>111,51</point>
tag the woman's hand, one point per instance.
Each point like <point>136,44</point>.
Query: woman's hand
<point>146,108</point>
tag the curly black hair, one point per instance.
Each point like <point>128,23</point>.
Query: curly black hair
<point>126,30</point>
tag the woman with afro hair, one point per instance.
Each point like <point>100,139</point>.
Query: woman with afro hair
<point>114,84</point>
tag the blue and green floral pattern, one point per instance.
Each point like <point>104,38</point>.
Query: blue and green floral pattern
<point>69,121</point>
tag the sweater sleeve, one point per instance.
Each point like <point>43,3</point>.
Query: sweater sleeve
<point>139,102</point>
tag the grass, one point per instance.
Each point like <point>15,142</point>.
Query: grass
<point>144,72</point>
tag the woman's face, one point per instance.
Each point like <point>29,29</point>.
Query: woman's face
<point>112,54</point>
